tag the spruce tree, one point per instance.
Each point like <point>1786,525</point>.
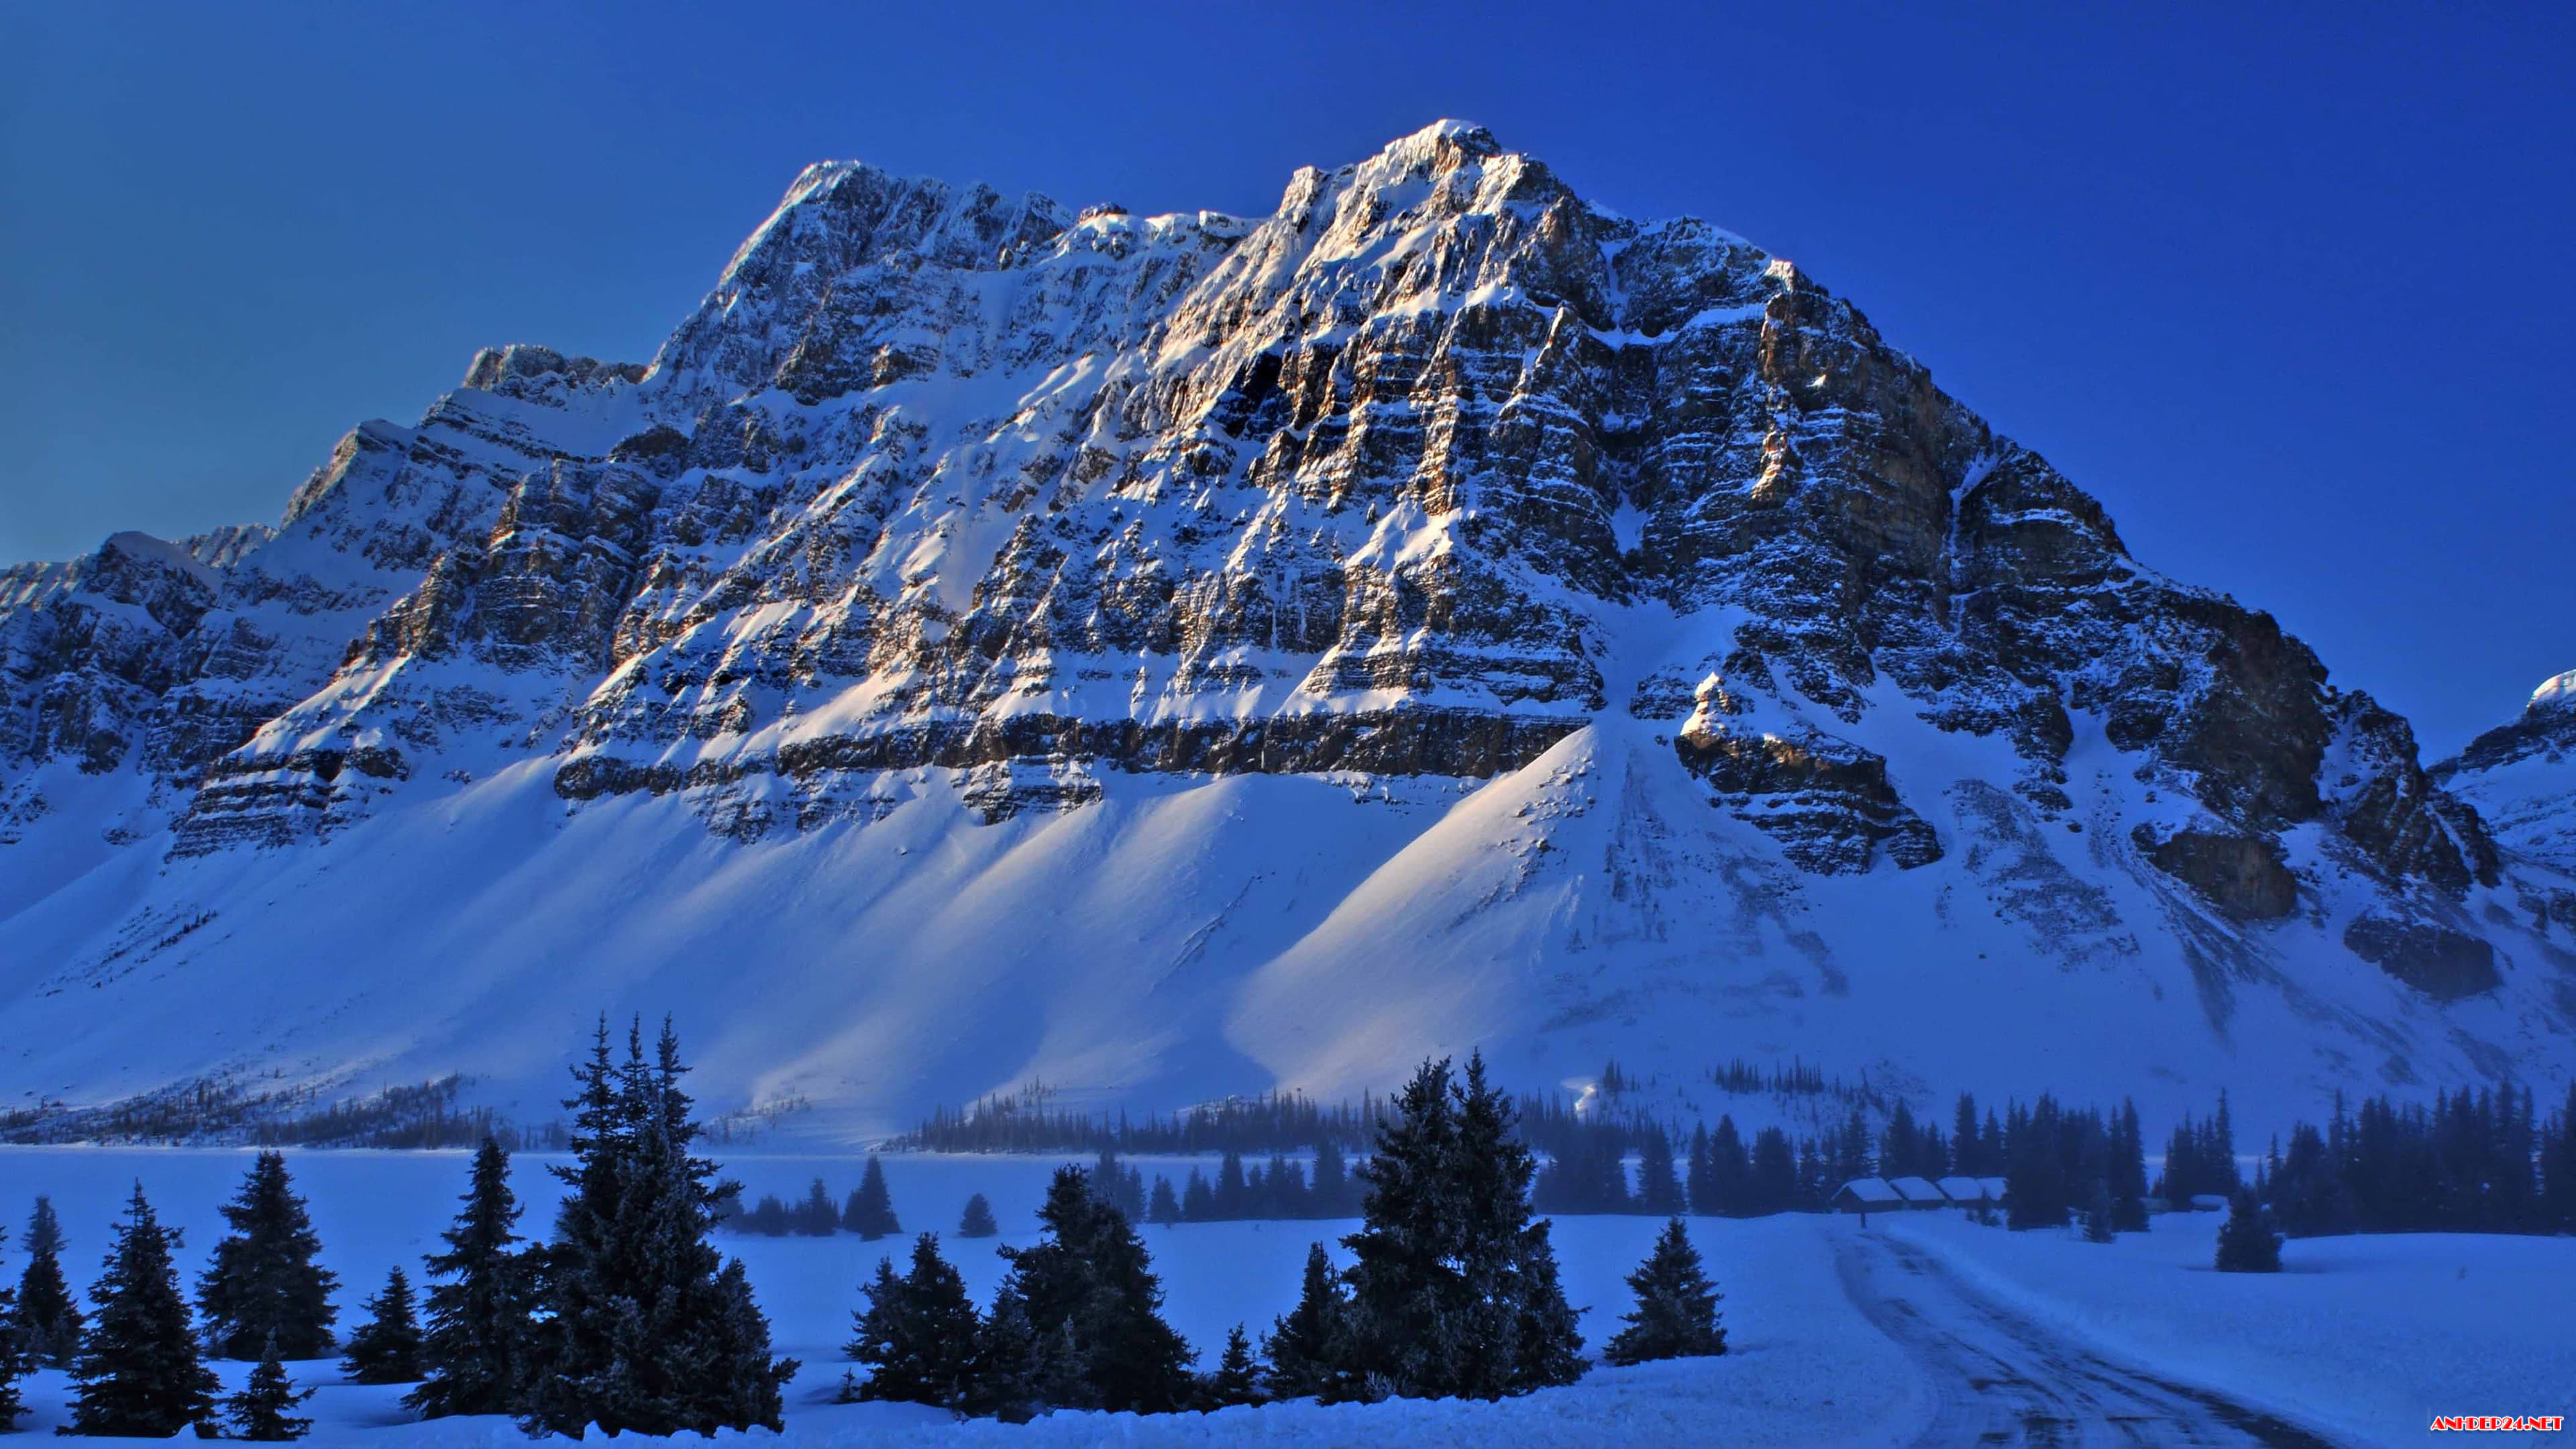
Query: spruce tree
<point>2246,1244</point>
<point>262,1411</point>
<point>475,1350</point>
<point>1089,1293</point>
<point>1235,1381</point>
<point>386,1349</point>
<point>870,1212</point>
<point>1299,1349</point>
<point>1164,1206</point>
<point>918,1333</point>
<point>1676,1312</point>
<point>977,1220</point>
<point>1009,1369</point>
<point>138,1372</point>
<point>645,1326</point>
<point>1454,1291</point>
<point>1330,1196</point>
<point>1659,1189</point>
<point>263,1281</point>
<point>47,1317</point>
<point>815,1216</point>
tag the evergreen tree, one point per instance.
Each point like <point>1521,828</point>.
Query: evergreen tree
<point>977,1220</point>
<point>478,1341</point>
<point>2246,1244</point>
<point>768,1217</point>
<point>1235,1381</point>
<point>138,1372</point>
<point>645,1327</point>
<point>2128,1171</point>
<point>1165,1205</point>
<point>1331,1195</point>
<point>1965,1159</point>
<point>1455,1290</point>
<point>1299,1349</point>
<point>263,1281</point>
<point>10,1355</point>
<point>918,1333</point>
<point>1009,1375</point>
<point>386,1349</point>
<point>262,1411</point>
<point>1233,1198</point>
<point>1698,1187</point>
<point>1659,1189</point>
<point>1088,1291</point>
<point>47,1318</point>
<point>1676,1312</point>
<point>2557,1208</point>
<point>1198,1200</point>
<point>1772,1180</point>
<point>870,1212</point>
<point>815,1217</point>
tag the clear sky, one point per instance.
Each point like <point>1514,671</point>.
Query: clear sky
<point>2289,291</point>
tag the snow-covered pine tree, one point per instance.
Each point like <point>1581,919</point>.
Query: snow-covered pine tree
<point>977,1220</point>
<point>1235,1381</point>
<point>263,1412</point>
<point>918,1333</point>
<point>138,1372</point>
<point>47,1318</point>
<point>1676,1312</point>
<point>1299,1350</point>
<point>476,1348</point>
<point>1089,1292</point>
<point>2246,1243</point>
<point>870,1212</point>
<point>646,1328</point>
<point>386,1349</point>
<point>263,1281</point>
<point>1455,1291</point>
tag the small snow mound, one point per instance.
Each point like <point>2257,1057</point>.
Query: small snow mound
<point>2558,694</point>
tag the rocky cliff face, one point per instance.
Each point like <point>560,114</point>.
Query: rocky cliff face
<point>1423,476</point>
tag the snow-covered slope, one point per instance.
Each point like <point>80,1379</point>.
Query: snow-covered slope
<point>1174,656</point>
<point>2522,776</point>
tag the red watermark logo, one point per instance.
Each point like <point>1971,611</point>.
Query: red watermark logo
<point>2501,1423</point>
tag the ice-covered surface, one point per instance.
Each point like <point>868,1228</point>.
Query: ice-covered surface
<point>1169,657</point>
<point>2369,1338</point>
<point>1804,1369</point>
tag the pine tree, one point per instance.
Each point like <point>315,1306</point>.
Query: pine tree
<point>1659,1189</point>
<point>261,1413</point>
<point>977,1220</point>
<point>478,1341</point>
<point>263,1281</point>
<point>2246,1244</point>
<point>815,1216</point>
<point>1330,1196</point>
<point>2128,1171</point>
<point>645,1327</point>
<point>1164,1206</point>
<point>1300,1348</point>
<point>1233,1198</point>
<point>11,1357</point>
<point>1198,1200</point>
<point>47,1318</point>
<point>1676,1312</point>
<point>918,1333</point>
<point>1234,1381</point>
<point>386,1349</point>
<point>870,1212</point>
<point>1455,1291</point>
<point>1089,1292</point>
<point>138,1372</point>
<point>1009,1369</point>
<point>1772,1180</point>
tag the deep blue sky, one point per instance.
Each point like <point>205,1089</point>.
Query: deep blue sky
<point>2291,293</point>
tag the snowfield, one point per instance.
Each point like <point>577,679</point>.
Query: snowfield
<point>2362,1340</point>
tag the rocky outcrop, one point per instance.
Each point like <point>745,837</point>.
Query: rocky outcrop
<point>2245,876</point>
<point>2521,777</point>
<point>2440,962</point>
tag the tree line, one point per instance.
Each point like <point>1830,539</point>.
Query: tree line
<point>625,1318</point>
<point>1452,1291</point>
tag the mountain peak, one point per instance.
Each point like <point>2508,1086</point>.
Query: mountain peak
<point>2555,695</point>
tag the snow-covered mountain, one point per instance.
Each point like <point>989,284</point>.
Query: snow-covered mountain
<point>1174,656</point>
<point>2521,776</point>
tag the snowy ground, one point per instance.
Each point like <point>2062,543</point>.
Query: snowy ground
<point>2361,1341</point>
<point>2365,1338</point>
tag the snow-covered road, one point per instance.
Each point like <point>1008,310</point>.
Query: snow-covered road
<point>2000,1378</point>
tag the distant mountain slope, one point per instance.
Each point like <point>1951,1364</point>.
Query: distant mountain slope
<point>2521,776</point>
<point>1180,655</point>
